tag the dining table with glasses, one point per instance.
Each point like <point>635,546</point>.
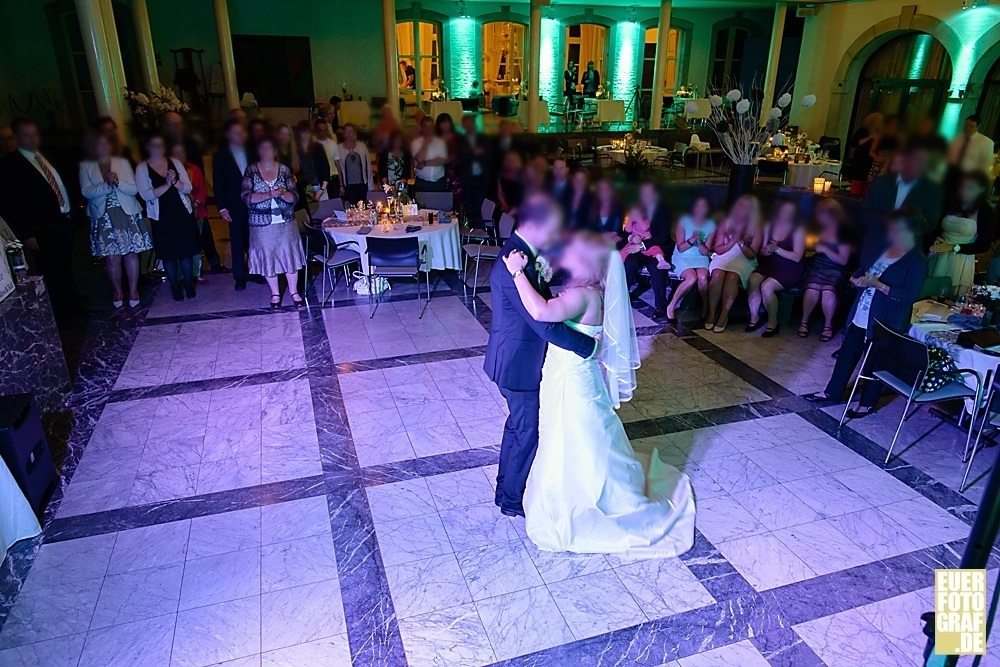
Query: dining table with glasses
<point>618,154</point>
<point>440,238</point>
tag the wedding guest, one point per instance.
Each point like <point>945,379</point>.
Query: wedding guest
<point>229,163</point>
<point>886,144</point>
<point>638,235</point>
<point>354,166</point>
<point>257,129</point>
<point>394,163</point>
<point>890,192</point>
<point>510,186</point>
<point>240,115</point>
<point>779,265</point>
<point>313,176</point>
<point>163,182</point>
<point>970,151</point>
<point>444,128</point>
<point>284,142</point>
<point>736,244</point>
<point>691,252</point>
<point>887,288</point>
<point>408,75</point>
<point>107,126</point>
<point>199,198</point>
<point>430,153</point>
<point>827,272</point>
<point>591,80</point>
<point>8,144</point>
<point>570,77</point>
<point>35,203</point>
<point>560,187</point>
<point>660,229</point>
<point>967,230</point>
<point>474,162</point>
<point>175,132</point>
<point>860,146</point>
<point>275,247</point>
<point>118,230</point>
<point>533,179</point>
<point>580,201</point>
<point>328,140</point>
<point>607,215</point>
<point>384,128</point>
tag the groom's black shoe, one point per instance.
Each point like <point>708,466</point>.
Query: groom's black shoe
<point>512,511</point>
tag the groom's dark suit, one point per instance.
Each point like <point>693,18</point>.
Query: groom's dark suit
<point>514,357</point>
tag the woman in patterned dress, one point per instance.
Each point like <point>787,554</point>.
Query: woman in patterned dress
<point>118,229</point>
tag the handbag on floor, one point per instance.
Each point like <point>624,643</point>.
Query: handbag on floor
<point>361,285</point>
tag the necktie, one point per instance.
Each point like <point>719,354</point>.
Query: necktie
<point>53,183</point>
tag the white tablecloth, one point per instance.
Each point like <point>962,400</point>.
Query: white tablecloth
<point>444,248</point>
<point>618,155</point>
<point>17,521</point>
<point>944,336</point>
<point>801,175</point>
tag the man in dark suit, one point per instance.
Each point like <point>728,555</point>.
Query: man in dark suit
<point>474,164</point>
<point>228,165</point>
<point>36,204</point>
<point>559,184</point>
<point>516,347</point>
<point>890,192</point>
<point>661,228</point>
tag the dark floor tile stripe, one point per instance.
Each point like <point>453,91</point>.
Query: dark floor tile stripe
<point>785,648</point>
<point>409,359</point>
<point>715,573</point>
<point>214,315</point>
<point>737,366</point>
<point>388,473</point>
<point>110,521</point>
<point>194,386</point>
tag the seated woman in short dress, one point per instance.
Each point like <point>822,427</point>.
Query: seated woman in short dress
<point>736,244</point>
<point>691,251</point>
<point>275,247</point>
<point>779,266</point>
<point>828,270</point>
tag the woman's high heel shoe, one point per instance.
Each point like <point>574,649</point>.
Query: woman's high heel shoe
<point>297,300</point>
<point>275,301</point>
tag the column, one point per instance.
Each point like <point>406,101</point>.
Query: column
<point>535,62</point>
<point>226,54</point>
<point>773,55</point>
<point>109,100</point>
<point>391,59</point>
<point>114,49</point>
<point>143,34</point>
<point>659,65</point>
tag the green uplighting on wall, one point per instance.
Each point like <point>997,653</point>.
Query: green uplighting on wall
<point>627,37</point>
<point>463,56</point>
<point>919,62</point>
<point>551,68</point>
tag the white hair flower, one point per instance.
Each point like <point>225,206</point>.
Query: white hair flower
<point>716,100</point>
<point>784,100</point>
<point>774,114</point>
<point>743,106</point>
<point>691,107</point>
<point>734,95</point>
<point>808,101</point>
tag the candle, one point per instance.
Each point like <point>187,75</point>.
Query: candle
<point>826,186</point>
<point>818,184</point>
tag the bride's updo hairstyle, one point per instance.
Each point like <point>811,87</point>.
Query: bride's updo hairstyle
<point>586,259</point>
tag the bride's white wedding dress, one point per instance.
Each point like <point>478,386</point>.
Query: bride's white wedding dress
<point>586,491</point>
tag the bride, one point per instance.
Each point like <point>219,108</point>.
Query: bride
<point>586,491</point>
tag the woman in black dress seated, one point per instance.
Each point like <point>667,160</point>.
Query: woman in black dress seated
<point>827,273</point>
<point>164,184</point>
<point>779,265</point>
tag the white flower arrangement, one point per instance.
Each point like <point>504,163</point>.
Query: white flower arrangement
<point>155,104</point>
<point>744,129</point>
<point>691,107</point>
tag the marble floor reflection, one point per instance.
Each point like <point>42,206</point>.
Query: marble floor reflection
<point>248,487</point>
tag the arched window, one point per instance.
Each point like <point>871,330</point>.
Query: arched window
<point>418,44</point>
<point>586,42</point>
<point>908,76</point>
<point>503,56</point>
<point>989,104</point>
<point>727,58</point>
<point>675,62</point>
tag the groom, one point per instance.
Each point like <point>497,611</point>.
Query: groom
<point>516,348</point>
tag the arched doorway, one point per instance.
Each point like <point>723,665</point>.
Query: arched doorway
<point>989,104</point>
<point>908,76</point>
<point>586,42</point>
<point>503,56</point>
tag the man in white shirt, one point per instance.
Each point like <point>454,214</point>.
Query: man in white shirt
<point>35,203</point>
<point>326,139</point>
<point>971,151</point>
<point>430,154</point>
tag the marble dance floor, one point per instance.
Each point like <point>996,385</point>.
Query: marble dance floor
<point>249,487</point>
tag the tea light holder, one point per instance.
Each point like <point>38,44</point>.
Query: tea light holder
<point>827,185</point>
<point>819,183</point>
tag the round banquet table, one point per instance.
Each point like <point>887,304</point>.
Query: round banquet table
<point>444,248</point>
<point>945,336</point>
<point>17,521</point>
<point>618,154</point>
<point>801,175</point>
